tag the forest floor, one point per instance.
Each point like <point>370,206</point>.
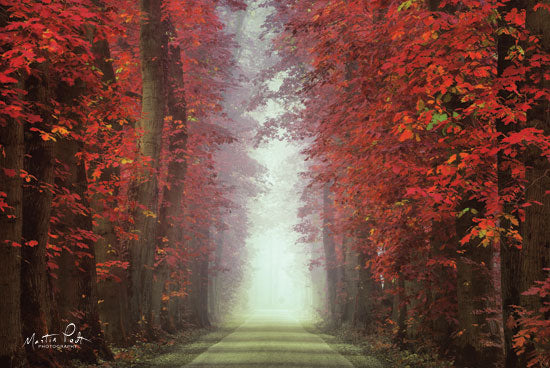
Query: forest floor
<point>376,349</point>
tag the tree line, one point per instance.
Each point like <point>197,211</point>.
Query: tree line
<point>429,168</point>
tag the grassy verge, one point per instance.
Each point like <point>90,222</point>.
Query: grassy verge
<point>355,353</point>
<point>376,350</point>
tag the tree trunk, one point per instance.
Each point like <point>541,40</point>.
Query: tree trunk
<point>37,205</point>
<point>12,354</point>
<point>77,281</point>
<point>475,288</point>
<point>400,310</point>
<point>215,283</point>
<point>318,276</point>
<point>510,255</point>
<point>331,262</point>
<point>350,278</point>
<point>441,285</point>
<point>12,148</point>
<point>367,296</point>
<point>197,299</point>
<point>145,187</point>
<point>171,211</point>
<point>112,292</point>
<point>535,230</point>
<point>203,304</point>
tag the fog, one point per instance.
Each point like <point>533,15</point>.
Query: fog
<point>276,275</point>
<point>279,277</point>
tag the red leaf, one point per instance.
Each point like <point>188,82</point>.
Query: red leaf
<point>11,173</point>
<point>7,79</point>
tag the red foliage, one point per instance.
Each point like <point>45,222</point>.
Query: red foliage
<point>53,41</point>
<point>402,104</point>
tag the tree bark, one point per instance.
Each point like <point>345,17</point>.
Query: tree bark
<point>510,255</point>
<point>368,293</point>
<point>12,150</point>
<point>197,299</point>
<point>215,282</point>
<point>77,280</point>
<point>535,230</point>
<point>400,310</point>
<point>331,263</point>
<point>112,293</point>
<point>12,354</point>
<point>350,281</point>
<point>475,288</point>
<point>145,186</point>
<point>37,205</point>
<point>170,233</point>
<point>441,285</point>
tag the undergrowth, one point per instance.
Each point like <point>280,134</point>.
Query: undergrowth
<point>380,346</point>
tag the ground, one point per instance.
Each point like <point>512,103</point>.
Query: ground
<point>275,339</point>
<point>272,338</point>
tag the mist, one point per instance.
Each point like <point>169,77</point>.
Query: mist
<point>276,275</point>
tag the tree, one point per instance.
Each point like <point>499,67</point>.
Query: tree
<point>145,186</point>
<point>170,231</point>
<point>11,223</point>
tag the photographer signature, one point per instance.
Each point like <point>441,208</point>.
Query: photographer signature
<point>68,339</point>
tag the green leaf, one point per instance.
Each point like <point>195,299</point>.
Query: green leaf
<point>436,119</point>
<point>405,5</point>
<point>463,212</point>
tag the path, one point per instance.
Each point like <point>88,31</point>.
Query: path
<point>270,339</point>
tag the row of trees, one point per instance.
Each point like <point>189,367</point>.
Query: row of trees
<point>113,209</point>
<point>430,130</point>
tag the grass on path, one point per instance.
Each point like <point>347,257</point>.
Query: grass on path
<point>357,355</point>
<point>170,352</point>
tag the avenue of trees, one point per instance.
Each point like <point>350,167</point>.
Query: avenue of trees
<point>123,182</point>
